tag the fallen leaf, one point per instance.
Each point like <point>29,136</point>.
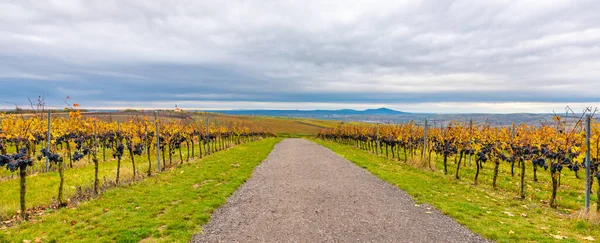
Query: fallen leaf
<point>524,215</point>
<point>511,232</point>
<point>26,241</point>
<point>589,238</point>
<point>38,240</point>
<point>428,212</point>
<point>509,214</point>
<point>106,210</point>
<point>558,237</point>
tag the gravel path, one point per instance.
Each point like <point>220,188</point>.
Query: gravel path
<point>304,192</point>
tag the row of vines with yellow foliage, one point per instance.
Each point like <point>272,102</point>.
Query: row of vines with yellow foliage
<point>557,147</point>
<point>82,141</point>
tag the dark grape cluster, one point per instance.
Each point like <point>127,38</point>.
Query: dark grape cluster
<point>574,167</point>
<point>60,139</point>
<point>138,149</point>
<point>524,152</point>
<point>5,159</point>
<point>16,161</point>
<point>52,157</point>
<point>540,162</point>
<point>387,141</point>
<point>79,143</point>
<point>38,139</point>
<point>481,156</point>
<point>556,167</point>
<point>78,156</point>
<point>445,147</point>
<point>176,141</point>
<point>450,150</point>
<point>119,151</point>
<point>85,150</point>
<point>210,137</point>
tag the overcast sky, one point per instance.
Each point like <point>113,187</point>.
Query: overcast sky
<point>418,56</point>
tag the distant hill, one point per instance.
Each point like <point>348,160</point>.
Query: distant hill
<point>315,113</point>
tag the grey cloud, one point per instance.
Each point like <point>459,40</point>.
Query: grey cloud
<point>307,51</point>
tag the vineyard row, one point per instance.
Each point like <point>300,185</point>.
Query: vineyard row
<point>65,142</point>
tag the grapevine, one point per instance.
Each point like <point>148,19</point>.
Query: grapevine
<point>552,146</point>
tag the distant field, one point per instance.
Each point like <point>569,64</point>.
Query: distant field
<point>277,125</point>
<point>126,116</point>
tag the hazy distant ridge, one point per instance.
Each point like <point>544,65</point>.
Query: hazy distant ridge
<point>315,113</point>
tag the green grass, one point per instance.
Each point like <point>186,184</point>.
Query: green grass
<point>170,207</point>
<point>495,214</point>
<point>289,135</point>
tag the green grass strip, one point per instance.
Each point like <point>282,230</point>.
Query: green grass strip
<point>170,207</point>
